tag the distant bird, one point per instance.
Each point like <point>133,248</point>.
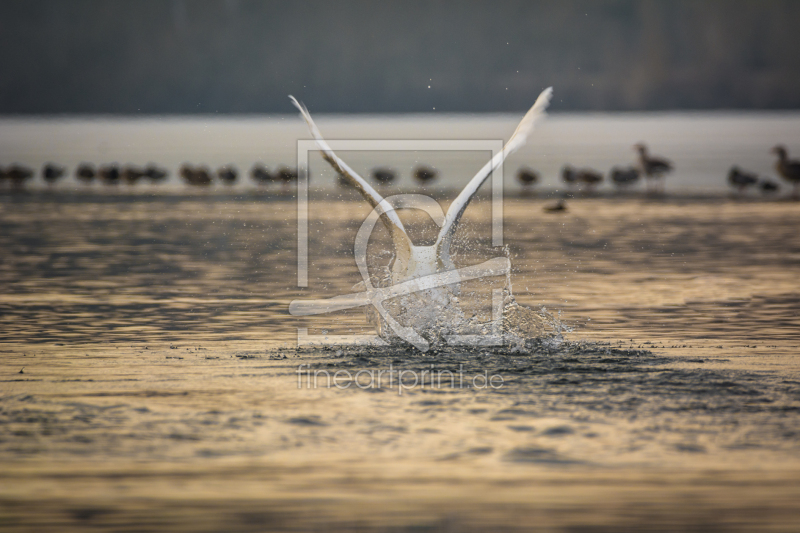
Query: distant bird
<point>768,186</point>
<point>52,172</point>
<point>18,175</point>
<point>561,205</point>
<point>424,174</point>
<point>788,169</point>
<point>196,176</point>
<point>527,177</point>
<point>587,176</point>
<point>624,177</point>
<point>261,174</point>
<point>227,174</point>
<point>154,173</point>
<point>85,172</point>
<point>591,178</point>
<point>569,176</point>
<point>109,174</point>
<point>286,175</point>
<point>343,181</point>
<point>131,174</point>
<point>653,167</point>
<point>740,179</point>
<point>383,176</point>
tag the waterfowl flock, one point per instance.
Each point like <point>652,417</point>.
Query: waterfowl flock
<point>653,169</point>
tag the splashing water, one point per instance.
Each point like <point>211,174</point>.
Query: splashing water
<point>447,312</point>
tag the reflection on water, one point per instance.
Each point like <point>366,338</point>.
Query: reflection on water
<point>149,377</point>
<point>224,268</point>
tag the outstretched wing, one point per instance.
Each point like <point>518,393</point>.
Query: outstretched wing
<point>461,202</point>
<point>389,217</point>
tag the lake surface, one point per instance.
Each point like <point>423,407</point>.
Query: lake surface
<point>150,380</point>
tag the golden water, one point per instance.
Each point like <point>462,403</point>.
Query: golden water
<point>159,384</point>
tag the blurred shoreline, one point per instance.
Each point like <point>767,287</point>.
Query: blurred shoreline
<point>703,146</point>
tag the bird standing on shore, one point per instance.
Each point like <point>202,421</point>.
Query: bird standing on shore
<point>740,179</point>
<point>383,176</point>
<point>424,174</point>
<point>155,174</point>
<point>109,174</point>
<point>585,176</point>
<point>261,174</point>
<point>131,174</point>
<point>17,175</point>
<point>287,176</point>
<point>624,177</point>
<point>787,168</point>
<point>196,176</point>
<point>653,167</point>
<point>527,178</point>
<point>52,172</point>
<point>227,174</point>
<point>569,176</point>
<point>589,177</point>
<point>768,186</point>
<point>85,172</point>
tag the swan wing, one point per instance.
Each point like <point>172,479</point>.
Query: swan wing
<point>461,202</point>
<point>389,217</point>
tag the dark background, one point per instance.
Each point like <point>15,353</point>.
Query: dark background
<point>196,56</point>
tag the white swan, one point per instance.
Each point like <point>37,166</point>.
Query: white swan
<point>411,261</point>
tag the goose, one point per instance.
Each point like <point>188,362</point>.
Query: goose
<point>383,176</point>
<point>343,182</point>
<point>740,179</point>
<point>132,174</point>
<point>52,172</point>
<point>591,178</point>
<point>425,174</point>
<point>527,177</point>
<point>154,173</point>
<point>261,174</point>
<point>411,261</point>
<point>624,177</point>
<point>196,176</point>
<point>18,175</point>
<point>569,176</point>
<point>286,175</point>
<point>587,176</point>
<point>787,168</point>
<point>85,172</point>
<point>768,186</point>
<point>652,167</point>
<point>109,174</point>
<point>227,174</point>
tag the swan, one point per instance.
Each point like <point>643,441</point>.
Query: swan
<point>411,261</point>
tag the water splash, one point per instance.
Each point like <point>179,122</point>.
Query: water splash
<point>443,313</point>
